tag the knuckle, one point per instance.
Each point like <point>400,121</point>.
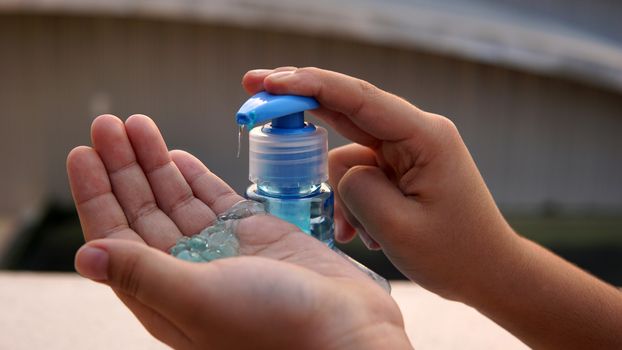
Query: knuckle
<point>367,88</point>
<point>129,277</point>
<point>184,200</point>
<point>446,128</point>
<point>367,93</point>
<point>349,181</point>
<point>144,209</point>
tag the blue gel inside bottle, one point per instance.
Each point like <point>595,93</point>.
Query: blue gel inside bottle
<point>310,208</point>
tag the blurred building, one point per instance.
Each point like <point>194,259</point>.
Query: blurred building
<point>535,87</point>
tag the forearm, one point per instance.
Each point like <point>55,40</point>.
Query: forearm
<point>548,302</point>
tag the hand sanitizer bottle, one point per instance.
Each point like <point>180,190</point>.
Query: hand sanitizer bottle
<point>288,165</point>
<point>288,162</point>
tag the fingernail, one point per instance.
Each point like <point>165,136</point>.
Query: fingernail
<point>369,242</point>
<point>280,76</point>
<point>259,71</point>
<point>92,263</point>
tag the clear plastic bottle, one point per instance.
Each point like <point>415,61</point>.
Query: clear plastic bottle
<point>310,208</point>
<point>288,163</point>
<point>288,166</point>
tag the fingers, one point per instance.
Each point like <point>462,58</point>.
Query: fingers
<point>99,211</point>
<point>208,187</point>
<point>253,80</point>
<point>376,112</point>
<point>375,202</point>
<point>172,193</point>
<point>129,183</point>
<point>345,126</point>
<point>340,160</point>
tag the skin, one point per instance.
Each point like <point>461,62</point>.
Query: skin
<point>435,219</point>
<point>432,214</point>
<point>135,199</point>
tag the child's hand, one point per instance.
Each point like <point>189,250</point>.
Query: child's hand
<point>135,199</point>
<point>409,183</point>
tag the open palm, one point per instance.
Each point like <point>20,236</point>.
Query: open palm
<point>135,199</point>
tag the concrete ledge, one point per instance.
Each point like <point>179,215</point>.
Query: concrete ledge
<point>65,311</point>
<point>476,32</point>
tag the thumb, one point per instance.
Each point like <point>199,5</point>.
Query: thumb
<point>154,278</point>
<point>378,205</point>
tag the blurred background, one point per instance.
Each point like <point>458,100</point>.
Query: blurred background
<point>535,88</point>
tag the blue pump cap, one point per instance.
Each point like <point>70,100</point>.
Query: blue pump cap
<point>285,111</point>
<point>287,153</point>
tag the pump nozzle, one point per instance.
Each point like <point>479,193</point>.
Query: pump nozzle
<point>285,111</point>
<point>287,153</point>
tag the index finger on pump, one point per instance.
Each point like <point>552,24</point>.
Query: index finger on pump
<point>377,112</point>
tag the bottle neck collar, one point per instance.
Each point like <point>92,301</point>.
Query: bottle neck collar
<point>276,191</point>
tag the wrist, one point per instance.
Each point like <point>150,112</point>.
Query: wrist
<point>494,270</point>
